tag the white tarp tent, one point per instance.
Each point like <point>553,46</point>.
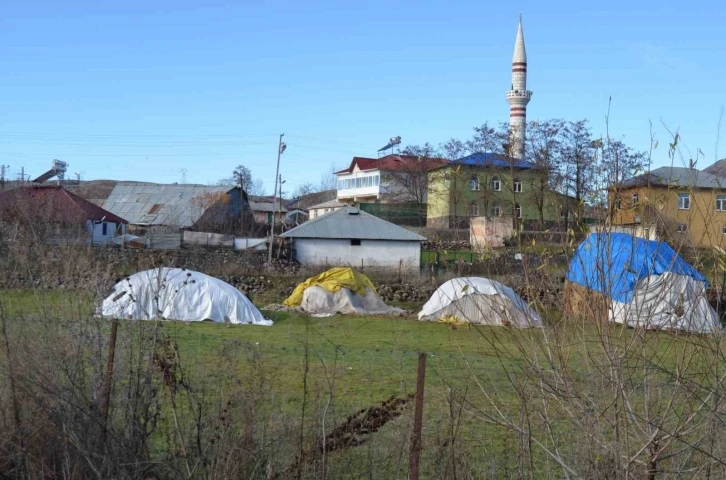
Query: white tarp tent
<point>667,301</point>
<point>479,301</point>
<point>179,294</point>
<point>317,300</point>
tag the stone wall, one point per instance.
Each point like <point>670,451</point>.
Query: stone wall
<point>453,245</point>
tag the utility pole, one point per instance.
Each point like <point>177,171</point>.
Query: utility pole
<point>280,148</point>
<point>4,169</point>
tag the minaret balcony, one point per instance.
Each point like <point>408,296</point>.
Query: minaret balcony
<point>519,94</point>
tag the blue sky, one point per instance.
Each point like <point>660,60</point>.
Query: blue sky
<point>140,90</point>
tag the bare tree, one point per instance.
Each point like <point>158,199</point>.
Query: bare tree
<point>409,184</point>
<point>257,188</point>
<point>544,144</point>
<point>304,189</point>
<point>242,177</point>
<point>329,180</point>
<point>578,163</point>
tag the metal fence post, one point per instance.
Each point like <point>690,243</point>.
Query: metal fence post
<point>417,419</point>
<point>109,373</point>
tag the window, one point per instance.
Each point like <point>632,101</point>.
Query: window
<point>721,203</point>
<point>518,210</point>
<point>473,210</point>
<point>355,242</point>
<point>496,211</point>
<point>681,228</point>
<point>496,184</point>
<point>723,230</point>
<point>517,186</point>
<point>684,201</point>
<point>563,213</point>
<point>474,184</point>
<point>376,180</point>
<point>447,180</point>
<point>636,198</point>
<point>104,229</point>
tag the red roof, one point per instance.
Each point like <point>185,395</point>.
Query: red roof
<point>52,202</point>
<point>394,163</point>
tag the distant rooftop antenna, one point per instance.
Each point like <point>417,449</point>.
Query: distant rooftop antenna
<point>392,142</point>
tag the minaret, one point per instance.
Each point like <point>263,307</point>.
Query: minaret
<point>518,97</point>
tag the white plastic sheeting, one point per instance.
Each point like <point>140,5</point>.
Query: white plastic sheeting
<point>177,294</point>
<point>479,301</point>
<point>668,301</point>
<point>317,300</point>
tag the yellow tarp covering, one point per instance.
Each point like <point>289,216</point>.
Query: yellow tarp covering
<point>332,280</point>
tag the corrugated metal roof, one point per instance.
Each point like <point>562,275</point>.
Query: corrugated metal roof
<point>144,204</point>
<point>677,177</point>
<point>349,222</point>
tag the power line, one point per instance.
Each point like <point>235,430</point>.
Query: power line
<point>122,135</point>
<point>201,154</point>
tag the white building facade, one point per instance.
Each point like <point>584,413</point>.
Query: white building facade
<point>358,253</point>
<point>350,237</point>
<point>359,186</point>
<point>103,232</point>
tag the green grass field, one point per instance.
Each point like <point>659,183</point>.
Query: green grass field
<point>355,362</point>
<point>360,360</point>
<point>377,356</point>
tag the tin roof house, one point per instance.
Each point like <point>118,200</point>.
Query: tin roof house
<point>350,237</point>
<point>158,208</point>
<point>52,213</point>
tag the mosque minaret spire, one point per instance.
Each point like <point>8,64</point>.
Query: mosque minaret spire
<point>518,96</point>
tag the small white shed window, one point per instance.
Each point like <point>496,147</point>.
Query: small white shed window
<point>104,229</point>
<point>355,242</point>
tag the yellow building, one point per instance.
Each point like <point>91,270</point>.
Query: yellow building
<point>683,204</point>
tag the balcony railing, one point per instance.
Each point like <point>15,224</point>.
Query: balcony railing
<point>519,94</point>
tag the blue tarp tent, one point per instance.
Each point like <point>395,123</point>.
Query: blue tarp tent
<point>613,263</point>
<point>647,283</point>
